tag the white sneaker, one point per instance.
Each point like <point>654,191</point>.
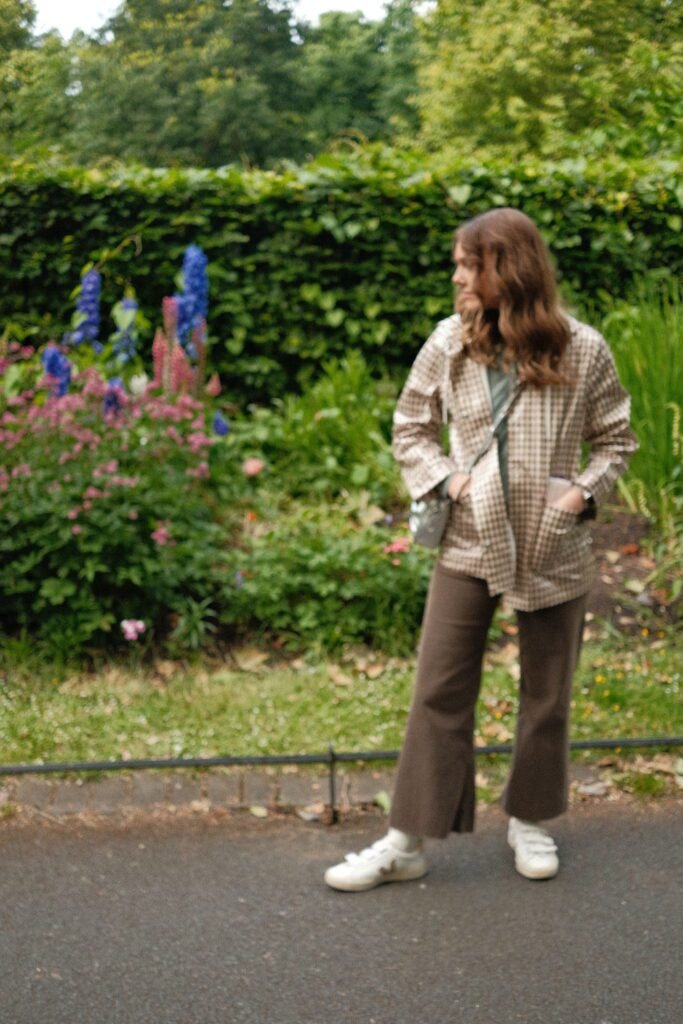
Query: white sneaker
<point>381,862</point>
<point>535,850</point>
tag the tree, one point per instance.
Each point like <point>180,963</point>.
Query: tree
<point>179,81</point>
<point>17,18</point>
<point>527,76</point>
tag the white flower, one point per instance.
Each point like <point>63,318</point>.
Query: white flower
<point>138,384</point>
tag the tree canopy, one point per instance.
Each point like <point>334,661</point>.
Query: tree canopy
<point>212,82</point>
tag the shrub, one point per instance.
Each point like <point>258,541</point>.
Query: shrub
<point>325,578</point>
<point>333,438</point>
<point>350,250</point>
<point>108,504</point>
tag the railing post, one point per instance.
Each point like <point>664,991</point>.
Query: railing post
<point>334,817</point>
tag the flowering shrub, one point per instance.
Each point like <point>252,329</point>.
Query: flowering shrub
<point>109,503</point>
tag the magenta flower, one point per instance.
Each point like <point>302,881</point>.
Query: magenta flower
<point>132,628</point>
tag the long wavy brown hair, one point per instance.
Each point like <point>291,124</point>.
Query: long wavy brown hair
<point>528,319</point>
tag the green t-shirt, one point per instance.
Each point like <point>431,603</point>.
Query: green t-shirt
<point>501,383</point>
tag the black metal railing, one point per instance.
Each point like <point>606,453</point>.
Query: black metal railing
<point>331,758</point>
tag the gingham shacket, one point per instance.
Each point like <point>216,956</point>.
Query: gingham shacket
<point>534,554</point>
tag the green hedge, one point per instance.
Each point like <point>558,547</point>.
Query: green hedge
<point>348,251</point>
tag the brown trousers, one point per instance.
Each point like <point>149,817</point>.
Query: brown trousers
<point>434,790</point>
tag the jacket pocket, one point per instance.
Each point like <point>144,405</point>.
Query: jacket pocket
<point>559,539</point>
<point>464,527</point>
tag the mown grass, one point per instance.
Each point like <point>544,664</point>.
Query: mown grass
<point>625,687</point>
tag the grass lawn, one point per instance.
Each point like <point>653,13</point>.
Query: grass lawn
<point>626,686</point>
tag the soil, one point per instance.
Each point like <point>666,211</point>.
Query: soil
<point>620,591</point>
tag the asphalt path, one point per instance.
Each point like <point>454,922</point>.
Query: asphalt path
<point>204,921</point>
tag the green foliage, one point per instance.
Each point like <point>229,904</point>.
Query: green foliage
<point>359,76</point>
<point>552,77</point>
<point>646,336</point>
<point>325,580</point>
<point>206,83</point>
<point>106,518</point>
<point>332,438</point>
<point>349,251</point>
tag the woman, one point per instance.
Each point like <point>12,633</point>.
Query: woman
<point>517,527</point>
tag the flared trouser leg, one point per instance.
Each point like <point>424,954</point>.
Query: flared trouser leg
<point>549,647</point>
<point>434,790</point>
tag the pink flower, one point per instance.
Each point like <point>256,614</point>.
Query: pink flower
<point>133,514</point>
<point>73,513</point>
<point>92,492</point>
<point>213,388</point>
<point>252,467</point>
<point>106,467</point>
<point>161,535</point>
<point>76,529</point>
<point>21,470</point>
<point>169,312</point>
<point>399,546</point>
<point>174,435</point>
<point>132,628</point>
<point>201,472</point>
<point>159,359</point>
<point>182,374</point>
<point>198,440</point>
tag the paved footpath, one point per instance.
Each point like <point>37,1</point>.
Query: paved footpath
<point>224,919</point>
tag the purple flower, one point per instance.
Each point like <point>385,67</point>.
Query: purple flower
<point>125,338</point>
<point>193,302</point>
<point>87,318</point>
<point>114,397</point>
<point>220,425</point>
<point>56,365</point>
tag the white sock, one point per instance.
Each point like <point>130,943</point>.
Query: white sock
<point>403,841</point>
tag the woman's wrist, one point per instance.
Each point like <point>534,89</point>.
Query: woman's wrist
<point>458,486</point>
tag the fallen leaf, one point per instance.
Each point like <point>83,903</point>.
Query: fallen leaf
<point>612,556</point>
<point>166,669</point>
<point>374,671</point>
<point>634,586</point>
<point>498,707</point>
<point>593,788</point>
<point>509,628</point>
<point>258,811</point>
<point>338,676</point>
<point>312,812</point>
<point>497,731</point>
<point>249,659</point>
<point>200,805</point>
<point>629,549</point>
<point>504,655</point>
<point>373,514</point>
<point>382,800</point>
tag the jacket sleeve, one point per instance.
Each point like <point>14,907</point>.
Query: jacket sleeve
<point>606,429</point>
<point>418,421</point>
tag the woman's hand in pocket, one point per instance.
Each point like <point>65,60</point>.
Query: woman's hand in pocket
<point>571,501</point>
<point>459,486</point>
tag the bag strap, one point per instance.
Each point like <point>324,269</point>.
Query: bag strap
<point>502,413</point>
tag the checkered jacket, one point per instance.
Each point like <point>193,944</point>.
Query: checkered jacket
<point>534,554</point>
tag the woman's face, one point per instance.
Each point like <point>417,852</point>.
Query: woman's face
<point>475,288</point>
